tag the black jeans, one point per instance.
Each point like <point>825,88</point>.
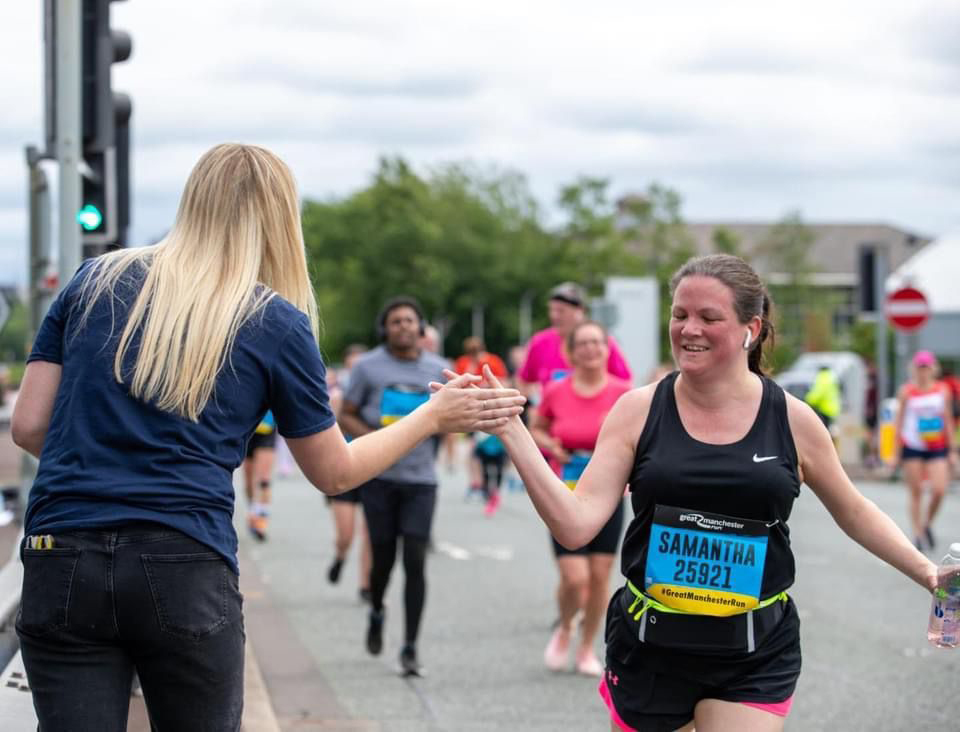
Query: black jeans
<point>102,603</point>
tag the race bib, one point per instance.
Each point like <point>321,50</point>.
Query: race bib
<point>267,424</point>
<point>931,431</point>
<point>572,470</point>
<point>398,401</point>
<point>705,563</point>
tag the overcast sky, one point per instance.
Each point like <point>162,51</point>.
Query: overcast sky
<point>750,108</point>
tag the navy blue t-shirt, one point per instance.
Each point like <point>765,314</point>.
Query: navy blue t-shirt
<point>110,459</point>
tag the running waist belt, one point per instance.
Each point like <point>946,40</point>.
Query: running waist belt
<point>660,625</point>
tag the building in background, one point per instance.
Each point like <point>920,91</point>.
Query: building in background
<point>833,255</point>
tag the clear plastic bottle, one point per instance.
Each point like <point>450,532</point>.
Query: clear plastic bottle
<point>944,628</point>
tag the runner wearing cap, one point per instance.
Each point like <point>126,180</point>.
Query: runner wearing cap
<point>546,358</point>
<point>925,427</point>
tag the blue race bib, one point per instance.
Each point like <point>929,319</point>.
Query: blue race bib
<point>705,563</point>
<point>571,471</point>
<point>398,401</point>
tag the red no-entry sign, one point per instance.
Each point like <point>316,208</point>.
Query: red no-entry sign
<point>906,308</point>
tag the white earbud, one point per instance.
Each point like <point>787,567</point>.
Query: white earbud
<point>746,341</point>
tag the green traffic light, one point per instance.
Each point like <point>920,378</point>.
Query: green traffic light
<point>89,217</point>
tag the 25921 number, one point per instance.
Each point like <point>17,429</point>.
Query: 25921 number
<point>703,574</point>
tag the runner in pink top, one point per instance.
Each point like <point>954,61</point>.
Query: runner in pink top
<point>566,428</point>
<point>575,420</point>
<point>546,360</point>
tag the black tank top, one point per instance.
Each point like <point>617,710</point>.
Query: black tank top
<point>754,478</point>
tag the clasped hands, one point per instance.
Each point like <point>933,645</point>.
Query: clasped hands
<point>467,402</point>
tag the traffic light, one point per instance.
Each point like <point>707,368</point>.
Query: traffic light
<point>104,213</point>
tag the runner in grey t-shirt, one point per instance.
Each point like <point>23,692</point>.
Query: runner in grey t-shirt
<point>385,388</point>
<point>386,384</point>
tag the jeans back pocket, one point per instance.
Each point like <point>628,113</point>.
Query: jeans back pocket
<point>47,584</point>
<point>189,592</point>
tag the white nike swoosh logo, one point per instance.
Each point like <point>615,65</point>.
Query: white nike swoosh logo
<point>763,459</point>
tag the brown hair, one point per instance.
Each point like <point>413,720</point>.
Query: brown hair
<point>571,336</point>
<point>750,296</point>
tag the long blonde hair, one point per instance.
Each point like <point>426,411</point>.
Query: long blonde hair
<point>235,243</point>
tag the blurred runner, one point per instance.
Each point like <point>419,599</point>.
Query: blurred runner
<point>345,507</point>
<point>485,454</point>
<point>925,427</point>
<point>387,384</point>
<point>566,427</point>
<point>546,357</point>
<point>257,473</point>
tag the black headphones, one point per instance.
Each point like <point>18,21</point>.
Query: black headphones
<point>401,301</point>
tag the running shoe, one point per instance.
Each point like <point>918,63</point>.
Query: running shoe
<point>556,656</point>
<point>333,574</point>
<point>375,632</point>
<point>258,527</point>
<point>409,665</point>
<point>588,664</point>
<point>492,504</point>
<point>365,595</point>
<point>931,541</point>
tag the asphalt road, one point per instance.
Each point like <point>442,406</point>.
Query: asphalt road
<point>867,665</point>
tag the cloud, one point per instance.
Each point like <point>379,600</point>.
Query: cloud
<point>318,81</point>
<point>933,32</point>
<point>747,108</point>
<point>749,60</point>
<point>638,117</point>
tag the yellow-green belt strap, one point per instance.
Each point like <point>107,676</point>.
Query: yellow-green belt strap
<point>648,602</point>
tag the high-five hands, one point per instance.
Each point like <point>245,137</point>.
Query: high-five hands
<point>468,402</point>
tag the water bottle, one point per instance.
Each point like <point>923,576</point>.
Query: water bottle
<point>944,628</point>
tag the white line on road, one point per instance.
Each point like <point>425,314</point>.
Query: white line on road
<point>498,553</point>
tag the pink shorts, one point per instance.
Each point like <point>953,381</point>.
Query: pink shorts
<point>781,708</point>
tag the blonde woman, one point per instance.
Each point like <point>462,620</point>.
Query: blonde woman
<point>148,376</point>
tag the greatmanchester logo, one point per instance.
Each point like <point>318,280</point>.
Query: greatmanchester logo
<point>710,524</point>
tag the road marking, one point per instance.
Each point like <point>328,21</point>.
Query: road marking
<point>497,553</point>
<point>500,553</point>
<point>452,551</point>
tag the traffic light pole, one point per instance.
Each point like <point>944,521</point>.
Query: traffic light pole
<point>40,245</point>
<point>68,130</point>
<point>880,292</point>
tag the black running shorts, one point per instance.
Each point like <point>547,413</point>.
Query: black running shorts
<point>258,441</point>
<point>606,542</point>
<point>351,496</point>
<point>655,688</point>
<point>398,509</point>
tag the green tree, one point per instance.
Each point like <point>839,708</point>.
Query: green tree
<point>457,238</point>
<point>13,337</point>
<point>658,235</point>
<point>593,237</point>
<point>726,241</point>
